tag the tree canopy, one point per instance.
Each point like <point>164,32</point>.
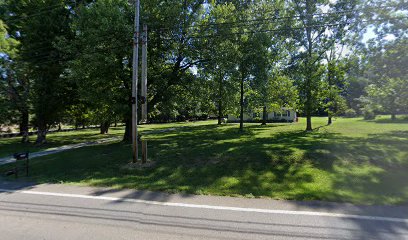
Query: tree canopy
<point>70,61</point>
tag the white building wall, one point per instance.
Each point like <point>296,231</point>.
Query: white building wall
<point>236,118</point>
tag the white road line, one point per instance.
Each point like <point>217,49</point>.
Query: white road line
<point>238,209</point>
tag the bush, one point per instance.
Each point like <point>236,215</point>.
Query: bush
<point>369,115</point>
<point>257,119</point>
<point>350,113</point>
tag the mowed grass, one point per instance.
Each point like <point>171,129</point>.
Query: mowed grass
<point>353,160</point>
<point>8,146</point>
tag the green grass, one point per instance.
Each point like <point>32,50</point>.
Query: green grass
<point>8,146</point>
<point>353,160</point>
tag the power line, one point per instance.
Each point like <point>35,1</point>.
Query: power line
<point>84,52</point>
<point>276,19</point>
<point>52,47</point>
<point>287,28</point>
<point>196,36</point>
<point>40,12</point>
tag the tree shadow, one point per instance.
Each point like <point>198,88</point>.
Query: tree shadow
<point>388,120</point>
<point>9,146</point>
<point>262,161</point>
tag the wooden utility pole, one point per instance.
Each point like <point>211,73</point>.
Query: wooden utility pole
<point>135,81</point>
<point>144,74</point>
<point>144,89</point>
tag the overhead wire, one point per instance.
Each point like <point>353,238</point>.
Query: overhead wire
<point>39,12</point>
<point>196,35</point>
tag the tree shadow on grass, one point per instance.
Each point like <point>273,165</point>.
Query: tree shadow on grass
<point>56,139</point>
<point>262,161</point>
<point>403,120</point>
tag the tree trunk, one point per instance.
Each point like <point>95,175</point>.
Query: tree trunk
<point>127,136</point>
<point>309,122</point>
<point>219,112</point>
<point>265,116</point>
<point>59,127</point>
<point>329,120</point>
<point>24,127</point>
<point>308,86</point>
<point>241,116</point>
<point>220,100</point>
<point>104,127</point>
<point>41,134</point>
<point>393,116</point>
<point>308,110</point>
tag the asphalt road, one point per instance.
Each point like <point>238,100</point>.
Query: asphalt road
<point>66,212</point>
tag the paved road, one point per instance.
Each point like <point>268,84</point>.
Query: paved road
<point>67,212</point>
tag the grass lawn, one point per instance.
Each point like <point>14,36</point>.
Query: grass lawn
<point>353,160</point>
<point>8,146</point>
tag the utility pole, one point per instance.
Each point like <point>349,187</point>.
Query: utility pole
<point>144,74</point>
<point>144,89</point>
<point>135,81</point>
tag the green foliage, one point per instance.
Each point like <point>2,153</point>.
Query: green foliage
<point>38,34</point>
<point>8,45</point>
<point>14,84</point>
<point>350,113</point>
<point>205,58</point>
<point>312,43</point>
<point>389,78</point>
<point>101,71</point>
<point>368,114</point>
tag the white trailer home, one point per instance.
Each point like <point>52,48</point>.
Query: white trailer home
<point>285,115</point>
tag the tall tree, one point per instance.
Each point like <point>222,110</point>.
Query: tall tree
<point>38,25</point>
<point>387,56</point>
<point>173,50</point>
<point>218,52</point>
<point>335,84</point>
<point>101,67</point>
<point>320,24</point>
<point>389,78</point>
<point>15,84</point>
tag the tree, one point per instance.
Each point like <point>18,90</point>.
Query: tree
<point>175,52</point>
<point>15,84</point>
<point>320,25</point>
<point>254,46</point>
<point>389,77</point>
<point>391,96</point>
<point>280,93</point>
<point>218,52</point>
<point>101,67</point>
<point>335,84</point>
<point>38,25</point>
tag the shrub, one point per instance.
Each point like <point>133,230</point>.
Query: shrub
<point>369,114</point>
<point>257,119</point>
<point>350,113</point>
